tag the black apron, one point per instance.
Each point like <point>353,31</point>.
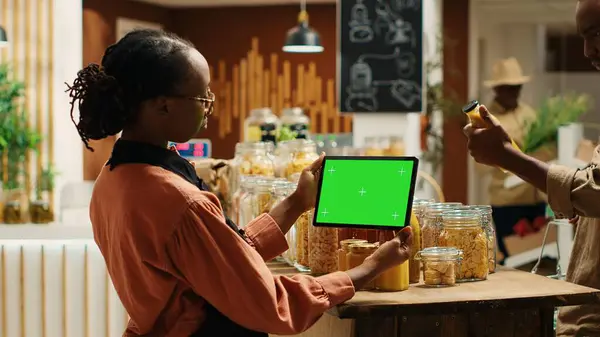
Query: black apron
<point>128,152</point>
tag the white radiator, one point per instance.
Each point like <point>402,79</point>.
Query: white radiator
<point>57,288</point>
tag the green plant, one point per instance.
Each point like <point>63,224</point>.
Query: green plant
<point>439,100</point>
<point>16,137</point>
<point>45,181</point>
<point>553,113</point>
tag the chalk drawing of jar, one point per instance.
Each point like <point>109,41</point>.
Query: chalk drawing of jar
<point>361,93</point>
<point>360,31</point>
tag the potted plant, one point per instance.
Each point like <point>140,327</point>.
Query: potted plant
<point>40,210</point>
<point>16,138</point>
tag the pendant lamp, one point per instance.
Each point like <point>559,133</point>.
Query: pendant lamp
<point>302,39</point>
<point>3,37</point>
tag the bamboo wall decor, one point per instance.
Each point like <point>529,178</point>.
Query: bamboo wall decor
<point>259,81</point>
<point>29,24</point>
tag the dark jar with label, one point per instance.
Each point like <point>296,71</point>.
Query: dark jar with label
<point>261,126</point>
<point>296,121</point>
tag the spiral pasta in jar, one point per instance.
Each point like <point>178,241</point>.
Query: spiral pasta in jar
<point>441,265</point>
<point>323,250</point>
<point>302,153</point>
<point>431,226</point>
<point>462,230</point>
<point>487,222</point>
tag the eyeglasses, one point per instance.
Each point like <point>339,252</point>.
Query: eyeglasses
<point>208,102</point>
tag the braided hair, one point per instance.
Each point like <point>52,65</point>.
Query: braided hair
<point>143,65</point>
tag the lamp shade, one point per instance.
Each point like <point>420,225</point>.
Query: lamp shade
<point>302,39</point>
<point>3,37</point>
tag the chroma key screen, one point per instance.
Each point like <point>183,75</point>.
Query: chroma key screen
<point>367,192</point>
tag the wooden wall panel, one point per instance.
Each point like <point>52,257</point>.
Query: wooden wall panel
<point>249,36</point>
<point>455,167</point>
<point>99,32</point>
<point>29,25</point>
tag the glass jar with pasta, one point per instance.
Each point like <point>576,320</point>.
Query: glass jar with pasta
<point>302,240</point>
<point>302,153</point>
<point>462,230</point>
<point>431,227</point>
<point>372,147</point>
<point>323,250</point>
<point>395,147</point>
<point>255,160</point>
<point>281,158</point>
<point>282,190</point>
<point>246,204</point>
<point>487,222</point>
<point>441,265</point>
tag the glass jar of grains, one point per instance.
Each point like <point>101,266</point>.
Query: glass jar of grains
<point>245,211</point>
<point>487,222</point>
<point>255,160</point>
<point>431,226</point>
<point>358,253</point>
<point>281,154</point>
<point>440,265</point>
<point>262,196</point>
<point>282,190</point>
<point>462,230</point>
<point>395,147</point>
<point>344,250</point>
<point>13,212</point>
<point>372,147</point>
<point>323,255</point>
<point>302,227</point>
<point>302,153</point>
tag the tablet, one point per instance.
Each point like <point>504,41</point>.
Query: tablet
<point>365,192</point>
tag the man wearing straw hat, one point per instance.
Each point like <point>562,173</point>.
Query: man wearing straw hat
<point>572,193</point>
<point>520,204</point>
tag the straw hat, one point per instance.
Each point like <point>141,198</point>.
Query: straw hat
<point>507,72</point>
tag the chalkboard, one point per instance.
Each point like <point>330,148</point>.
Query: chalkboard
<point>380,56</point>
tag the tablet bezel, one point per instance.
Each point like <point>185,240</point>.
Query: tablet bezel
<point>411,194</point>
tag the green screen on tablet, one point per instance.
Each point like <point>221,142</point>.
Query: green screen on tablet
<point>366,192</point>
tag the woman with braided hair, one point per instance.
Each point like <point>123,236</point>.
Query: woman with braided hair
<point>178,265</point>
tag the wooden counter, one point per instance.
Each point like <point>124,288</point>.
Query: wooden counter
<point>509,303</point>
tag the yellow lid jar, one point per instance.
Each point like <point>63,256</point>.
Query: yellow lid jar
<point>358,253</point>
<point>344,250</point>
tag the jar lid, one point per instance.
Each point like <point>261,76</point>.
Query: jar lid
<point>461,217</point>
<point>292,112</point>
<point>346,243</point>
<point>261,112</point>
<point>485,209</point>
<point>363,247</point>
<point>439,253</point>
<point>438,208</point>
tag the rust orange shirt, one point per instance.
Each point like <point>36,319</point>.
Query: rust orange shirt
<point>169,251</point>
